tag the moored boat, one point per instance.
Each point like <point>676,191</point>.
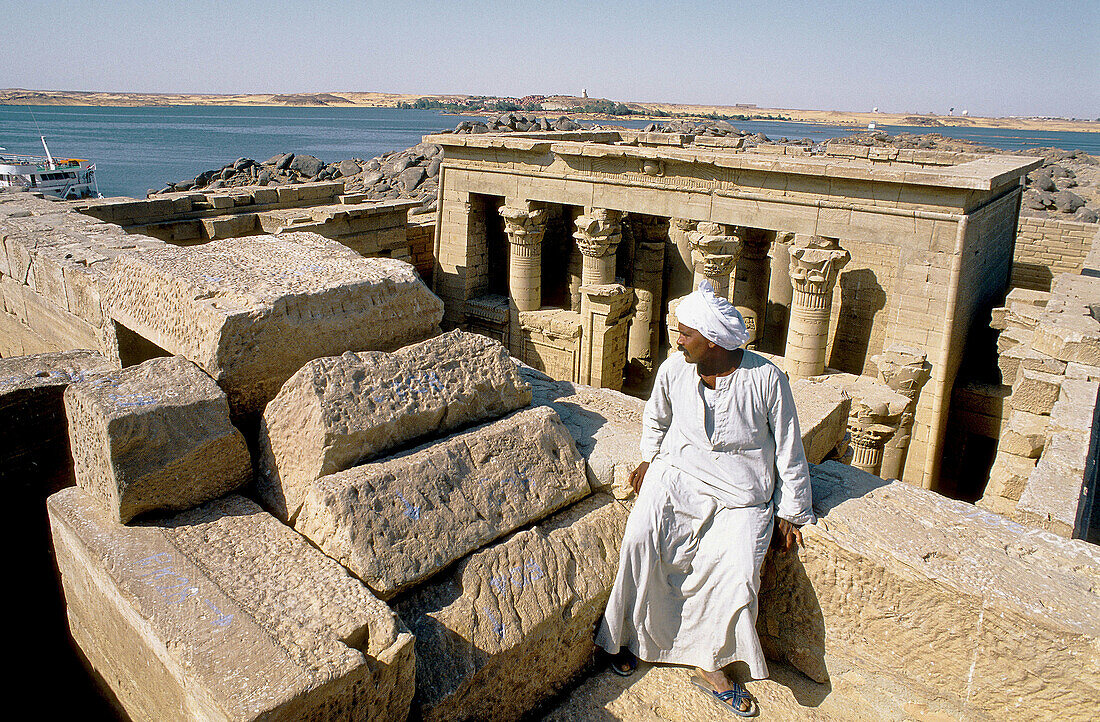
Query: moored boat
<point>61,177</point>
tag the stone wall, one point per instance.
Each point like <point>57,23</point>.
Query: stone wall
<point>1046,247</point>
<point>1049,356</point>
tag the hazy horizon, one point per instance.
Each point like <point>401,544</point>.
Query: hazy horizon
<point>988,58</point>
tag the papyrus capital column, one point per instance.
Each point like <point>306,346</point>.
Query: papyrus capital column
<point>868,438</point>
<point>598,234</point>
<point>715,247</point>
<point>815,264</point>
<point>650,236</point>
<point>905,370</point>
<point>525,226</point>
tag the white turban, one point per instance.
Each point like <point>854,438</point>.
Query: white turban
<point>713,317</point>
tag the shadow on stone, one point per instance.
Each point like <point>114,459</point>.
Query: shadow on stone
<point>861,297</point>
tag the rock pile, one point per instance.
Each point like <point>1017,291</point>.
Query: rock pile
<point>410,174</point>
<point>519,122</point>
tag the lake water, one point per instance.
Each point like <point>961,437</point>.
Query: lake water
<point>137,149</point>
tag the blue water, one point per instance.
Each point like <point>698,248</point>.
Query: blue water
<point>137,149</point>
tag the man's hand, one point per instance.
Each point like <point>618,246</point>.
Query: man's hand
<point>638,476</point>
<point>786,535</point>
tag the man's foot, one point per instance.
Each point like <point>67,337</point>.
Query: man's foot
<point>623,663</point>
<point>731,695</point>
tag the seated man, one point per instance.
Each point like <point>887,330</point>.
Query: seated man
<point>725,458</point>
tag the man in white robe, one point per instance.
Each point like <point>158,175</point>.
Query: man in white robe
<point>725,458</point>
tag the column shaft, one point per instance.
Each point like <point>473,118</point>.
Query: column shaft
<point>815,264</point>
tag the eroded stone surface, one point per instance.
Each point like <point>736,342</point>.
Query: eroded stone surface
<point>251,311</point>
<point>822,416</point>
<point>397,521</point>
<point>336,412</point>
<point>512,623</point>
<point>892,571</point>
<point>224,613</point>
<point>154,436</point>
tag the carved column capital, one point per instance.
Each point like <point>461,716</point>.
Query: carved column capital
<point>598,232</point>
<point>905,370</point>
<point>525,225</point>
<point>815,264</point>
<point>715,247</point>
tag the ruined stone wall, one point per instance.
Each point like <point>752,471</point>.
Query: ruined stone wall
<point>1046,247</point>
<point>866,294</point>
<point>420,238</point>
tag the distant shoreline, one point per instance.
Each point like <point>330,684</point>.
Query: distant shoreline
<point>854,119</point>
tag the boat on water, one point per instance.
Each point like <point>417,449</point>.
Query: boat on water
<point>64,178</point>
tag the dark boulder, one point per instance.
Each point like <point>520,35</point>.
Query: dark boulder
<point>410,178</point>
<point>1068,201</point>
<point>307,165</point>
<point>348,168</point>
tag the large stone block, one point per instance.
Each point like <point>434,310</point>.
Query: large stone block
<point>224,613</point>
<point>958,603</point>
<point>512,623</point>
<point>1069,337</point>
<point>339,411</point>
<point>154,436</point>
<point>1054,498</point>
<point>251,311</point>
<point>1024,435</point>
<point>1035,392</point>
<point>822,416</point>
<point>32,414</point>
<point>396,522</point>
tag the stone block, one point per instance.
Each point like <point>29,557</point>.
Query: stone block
<point>822,415</point>
<point>1009,475</point>
<point>1035,392</point>
<point>224,613</point>
<point>1082,372</point>
<point>1055,494</point>
<point>511,624</point>
<point>606,426</point>
<point>1069,337</point>
<point>339,411</point>
<point>1024,434</point>
<point>32,415</point>
<point>154,436</point>
<point>1076,406</point>
<point>1012,615</point>
<point>437,503</point>
<point>251,311</point>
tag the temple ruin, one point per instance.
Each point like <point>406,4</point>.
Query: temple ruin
<point>303,456</point>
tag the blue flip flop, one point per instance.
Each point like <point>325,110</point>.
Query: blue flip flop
<point>730,699</point>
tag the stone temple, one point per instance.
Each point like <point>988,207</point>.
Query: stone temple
<point>299,455</point>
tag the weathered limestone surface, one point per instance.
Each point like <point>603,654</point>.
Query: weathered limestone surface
<point>338,411</point>
<point>251,311</point>
<point>960,603</point>
<point>606,426</point>
<point>822,415</point>
<point>32,412</point>
<point>154,436</point>
<point>513,622</point>
<point>223,613</point>
<point>396,522</point>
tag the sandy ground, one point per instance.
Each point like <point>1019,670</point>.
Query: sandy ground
<point>16,96</point>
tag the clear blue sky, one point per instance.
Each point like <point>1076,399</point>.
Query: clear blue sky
<point>1006,57</point>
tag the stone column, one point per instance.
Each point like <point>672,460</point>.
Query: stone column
<point>779,295</point>
<point>714,249</point>
<point>905,370</point>
<point>815,264</point>
<point>525,226</point>
<point>678,264</point>
<point>649,261</point>
<point>605,318</point>
<point>750,288</point>
<point>598,234</point>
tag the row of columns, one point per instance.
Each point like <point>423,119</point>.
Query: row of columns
<point>715,251</point>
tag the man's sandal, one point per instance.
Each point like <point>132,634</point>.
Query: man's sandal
<point>623,663</point>
<point>730,699</point>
